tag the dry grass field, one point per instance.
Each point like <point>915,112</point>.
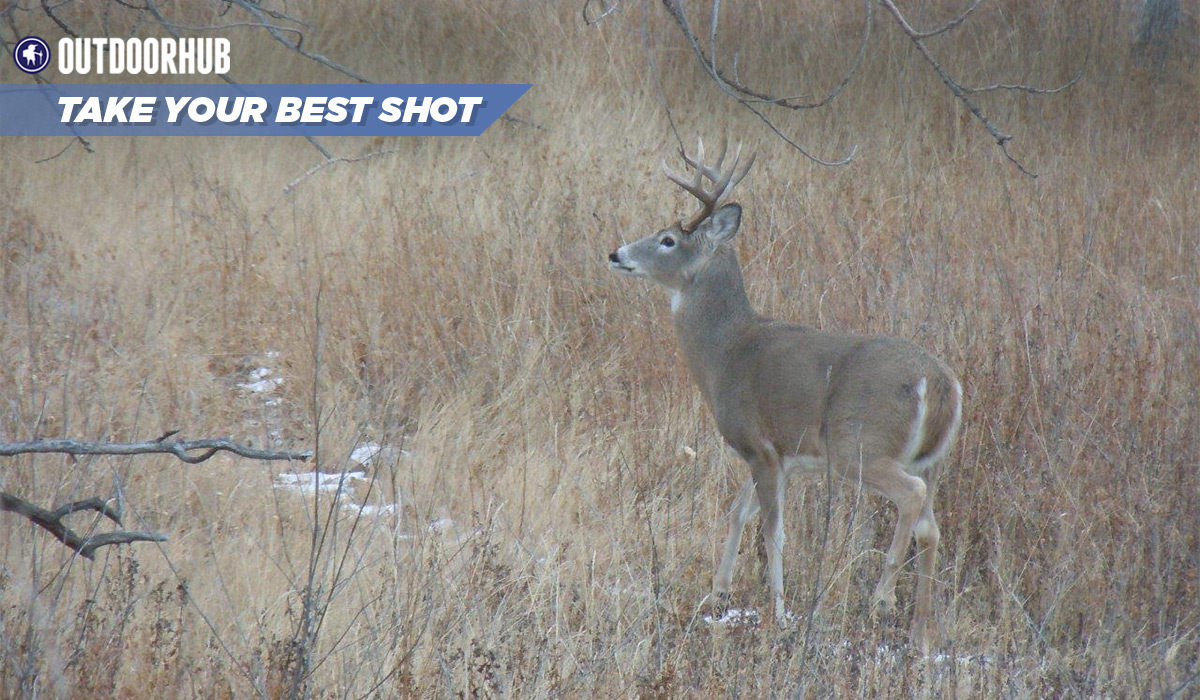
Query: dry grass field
<point>560,502</point>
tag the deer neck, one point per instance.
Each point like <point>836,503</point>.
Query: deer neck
<point>708,312</point>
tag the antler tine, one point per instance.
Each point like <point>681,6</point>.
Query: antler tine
<point>745,169</point>
<point>692,187</point>
<point>736,174</point>
<point>710,171</point>
<point>695,186</point>
<point>703,170</point>
<point>723,180</point>
<point>720,162</point>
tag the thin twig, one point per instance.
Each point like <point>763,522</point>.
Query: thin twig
<point>608,7</point>
<point>231,25</point>
<point>334,161</point>
<point>56,155</point>
<point>662,95</point>
<point>949,25</point>
<point>1018,87</point>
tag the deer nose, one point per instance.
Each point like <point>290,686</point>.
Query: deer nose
<point>614,258</point>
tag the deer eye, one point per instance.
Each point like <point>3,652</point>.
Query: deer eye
<point>667,242</point>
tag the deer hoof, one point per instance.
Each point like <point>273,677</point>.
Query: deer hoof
<point>882,605</point>
<point>924,637</point>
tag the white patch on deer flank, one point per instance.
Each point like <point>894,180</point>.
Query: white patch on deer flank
<point>948,437</point>
<point>916,436</point>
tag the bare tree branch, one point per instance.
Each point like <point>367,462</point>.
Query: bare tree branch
<point>709,60</point>
<point>257,12</point>
<point>51,521</point>
<point>607,7</point>
<point>7,49</point>
<point>1002,138</point>
<point>951,24</point>
<point>161,446</point>
<point>748,97</point>
<point>162,21</point>
<point>57,20</point>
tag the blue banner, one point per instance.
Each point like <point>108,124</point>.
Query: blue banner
<point>253,110</point>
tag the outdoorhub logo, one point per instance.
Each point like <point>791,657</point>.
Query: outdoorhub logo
<point>184,56</point>
<point>104,56</point>
<point>32,54</point>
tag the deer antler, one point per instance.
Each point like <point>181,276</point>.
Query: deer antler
<point>723,181</point>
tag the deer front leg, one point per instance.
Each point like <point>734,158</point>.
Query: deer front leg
<point>745,506</point>
<point>769,486</point>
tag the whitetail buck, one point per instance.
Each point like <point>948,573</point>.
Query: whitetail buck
<point>877,411</point>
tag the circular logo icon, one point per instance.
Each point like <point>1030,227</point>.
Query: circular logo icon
<point>32,54</point>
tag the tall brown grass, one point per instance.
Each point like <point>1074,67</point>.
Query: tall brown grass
<point>453,299</point>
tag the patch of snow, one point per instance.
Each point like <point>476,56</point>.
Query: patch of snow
<point>371,509</point>
<point>976,659</point>
<point>261,381</point>
<point>310,482</point>
<point>745,616</point>
<point>368,452</point>
<point>735,616</point>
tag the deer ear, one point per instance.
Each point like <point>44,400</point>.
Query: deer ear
<point>723,224</point>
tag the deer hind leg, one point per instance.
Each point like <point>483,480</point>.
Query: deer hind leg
<point>745,506</point>
<point>924,630</point>
<point>887,477</point>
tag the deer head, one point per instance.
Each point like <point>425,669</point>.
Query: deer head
<point>672,257</point>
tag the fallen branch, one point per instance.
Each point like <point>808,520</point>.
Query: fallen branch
<point>179,448</point>
<point>51,521</point>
